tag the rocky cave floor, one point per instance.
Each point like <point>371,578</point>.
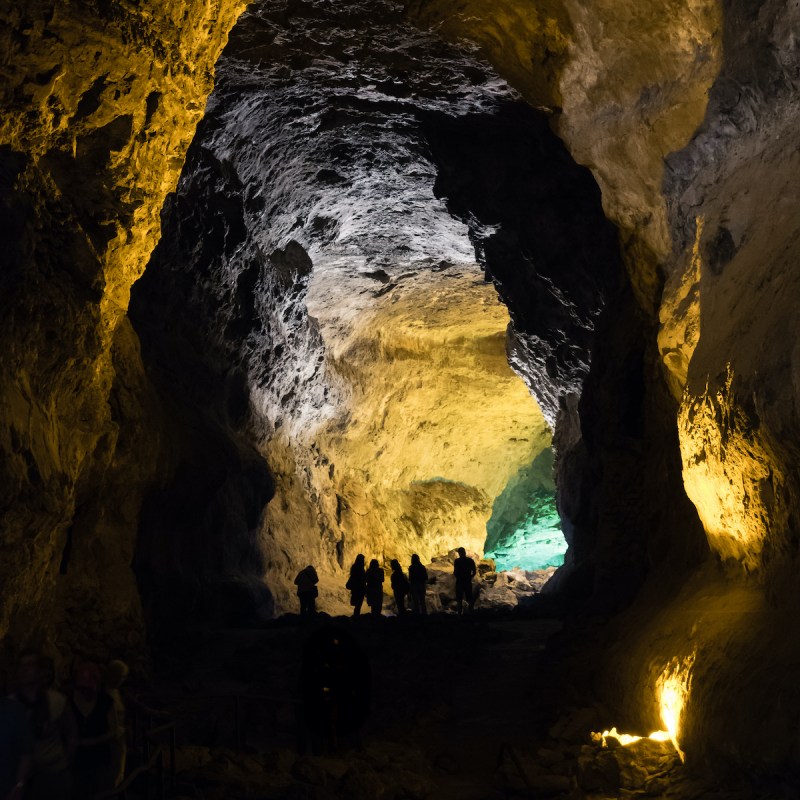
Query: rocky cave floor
<point>471,707</point>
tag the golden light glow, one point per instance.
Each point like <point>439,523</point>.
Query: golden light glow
<point>679,317</point>
<point>727,471</point>
<point>427,426</point>
<point>673,690</point>
<point>628,738</point>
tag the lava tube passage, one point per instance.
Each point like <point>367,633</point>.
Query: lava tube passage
<point>524,530</point>
<point>435,442</point>
<point>365,351</point>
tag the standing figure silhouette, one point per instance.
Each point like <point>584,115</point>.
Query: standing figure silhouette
<point>357,584</point>
<point>307,592</point>
<point>375,579</point>
<point>335,685</point>
<point>399,586</point>
<point>418,580</point>
<point>464,569</point>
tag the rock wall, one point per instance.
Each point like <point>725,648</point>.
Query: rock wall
<point>100,101</point>
<point>692,384</point>
<point>325,230</point>
<point>682,111</point>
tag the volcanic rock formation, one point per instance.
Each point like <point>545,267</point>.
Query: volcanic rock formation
<point>354,161</point>
<point>100,101</point>
<point>340,296</point>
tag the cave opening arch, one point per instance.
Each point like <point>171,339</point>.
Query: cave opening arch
<point>314,204</point>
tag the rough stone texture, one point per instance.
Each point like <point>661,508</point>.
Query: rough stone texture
<point>100,101</point>
<point>739,413</point>
<point>725,338</point>
<point>340,291</point>
<point>626,84</point>
<point>734,213</point>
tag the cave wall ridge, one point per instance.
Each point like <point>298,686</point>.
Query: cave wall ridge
<point>359,379</point>
<point>100,101</point>
<point>683,112</point>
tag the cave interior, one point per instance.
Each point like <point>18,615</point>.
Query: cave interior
<point>296,280</point>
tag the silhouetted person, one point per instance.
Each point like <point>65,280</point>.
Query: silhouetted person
<point>375,578</point>
<point>16,747</point>
<point>357,584</point>
<point>53,727</point>
<point>417,582</point>
<point>335,683</point>
<point>97,723</point>
<point>307,592</point>
<point>115,675</point>
<point>464,569</point>
<point>399,586</point>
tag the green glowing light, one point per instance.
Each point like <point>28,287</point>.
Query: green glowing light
<point>525,529</point>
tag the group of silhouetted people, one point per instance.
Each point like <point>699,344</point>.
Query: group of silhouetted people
<point>56,746</point>
<point>366,583</point>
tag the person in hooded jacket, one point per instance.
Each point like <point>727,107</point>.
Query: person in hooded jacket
<point>307,592</point>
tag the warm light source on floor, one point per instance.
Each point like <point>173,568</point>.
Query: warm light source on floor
<point>673,690</point>
<point>628,738</point>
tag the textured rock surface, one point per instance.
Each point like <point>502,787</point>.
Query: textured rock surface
<point>525,527</point>
<point>100,101</point>
<point>726,319</point>
<point>342,296</point>
<point>733,292</point>
<point>737,359</point>
<point>627,84</point>
<point>92,144</point>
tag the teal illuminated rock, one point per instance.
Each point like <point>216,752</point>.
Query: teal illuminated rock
<point>525,528</point>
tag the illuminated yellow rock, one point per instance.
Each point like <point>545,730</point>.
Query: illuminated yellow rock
<point>100,103</point>
<point>728,336</point>
<point>673,687</point>
<point>432,425</point>
<point>679,317</point>
<point>629,85</point>
<point>728,474</point>
<point>529,43</point>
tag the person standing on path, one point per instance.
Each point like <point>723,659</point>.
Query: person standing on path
<point>418,580</point>
<point>16,747</point>
<point>357,584</point>
<point>55,734</point>
<point>375,578</point>
<point>465,570</point>
<point>307,592</point>
<point>399,586</point>
<point>96,718</point>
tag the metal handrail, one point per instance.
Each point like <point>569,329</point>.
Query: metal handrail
<point>505,747</point>
<point>238,700</point>
<point>121,791</point>
<point>155,752</point>
<point>153,759</point>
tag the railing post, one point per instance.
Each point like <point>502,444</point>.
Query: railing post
<point>172,770</point>
<point>146,744</point>
<point>160,773</point>
<point>238,721</point>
